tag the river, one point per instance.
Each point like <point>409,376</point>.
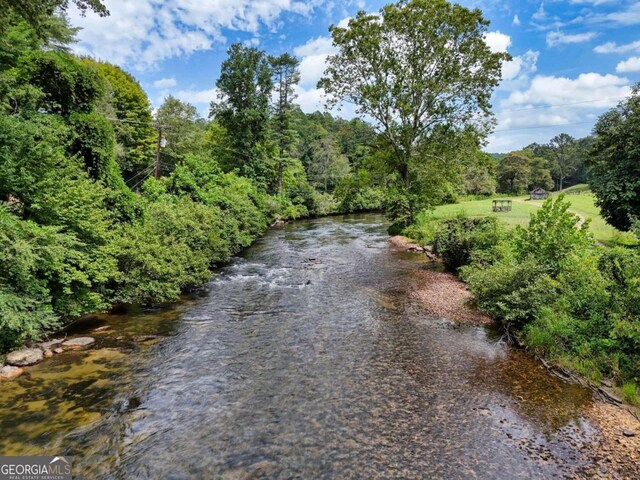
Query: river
<point>303,358</point>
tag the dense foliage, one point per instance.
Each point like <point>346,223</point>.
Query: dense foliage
<point>424,72</point>
<point>84,223</point>
<point>567,299</point>
<point>615,163</point>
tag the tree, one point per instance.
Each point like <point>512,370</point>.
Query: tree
<point>245,87</point>
<point>126,101</point>
<point>540,175</point>
<point>614,163</point>
<point>328,166</point>
<point>39,13</point>
<point>286,76</point>
<point>480,177</point>
<point>561,148</point>
<point>421,69</point>
<point>514,172</point>
<point>183,130</point>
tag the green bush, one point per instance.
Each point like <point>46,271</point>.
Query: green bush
<point>458,239</point>
<point>170,249</point>
<point>511,291</point>
<point>552,234</point>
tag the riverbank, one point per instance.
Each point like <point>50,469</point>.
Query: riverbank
<point>272,366</point>
<point>615,452</point>
<point>440,292</point>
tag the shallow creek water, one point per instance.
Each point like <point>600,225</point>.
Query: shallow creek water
<point>304,358</point>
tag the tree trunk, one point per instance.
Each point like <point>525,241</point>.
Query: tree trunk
<point>280,171</point>
<point>404,171</point>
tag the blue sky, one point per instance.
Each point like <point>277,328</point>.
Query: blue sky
<point>573,59</point>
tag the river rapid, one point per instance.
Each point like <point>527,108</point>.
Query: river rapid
<point>303,358</point>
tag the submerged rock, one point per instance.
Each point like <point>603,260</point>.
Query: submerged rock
<point>47,354</point>
<point>144,338</point>
<point>9,372</point>
<point>25,357</point>
<point>58,350</point>
<point>79,343</point>
<point>102,329</point>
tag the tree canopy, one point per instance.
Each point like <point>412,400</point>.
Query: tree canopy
<point>615,163</point>
<point>421,69</point>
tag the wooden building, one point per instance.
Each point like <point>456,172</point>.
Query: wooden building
<point>538,194</point>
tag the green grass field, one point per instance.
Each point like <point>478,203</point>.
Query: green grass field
<point>582,204</point>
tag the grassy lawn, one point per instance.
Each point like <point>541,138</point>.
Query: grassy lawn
<point>582,204</point>
<point>519,215</point>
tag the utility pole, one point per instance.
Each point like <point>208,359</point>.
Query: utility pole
<point>159,144</point>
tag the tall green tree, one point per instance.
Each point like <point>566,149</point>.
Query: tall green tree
<point>285,77</point>
<point>615,163</point>
<point>38,14</point>
<point>128,104</point>
<point>245,87</point>
<point>329,166</point>
<point>514,172</point>
<point>562,151</point>
<point>421,69</point>
<point>183,130</point>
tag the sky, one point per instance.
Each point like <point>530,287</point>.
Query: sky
<point>572,59</point>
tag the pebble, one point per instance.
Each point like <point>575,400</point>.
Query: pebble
<point>58,350</point>
<point>629,433</point>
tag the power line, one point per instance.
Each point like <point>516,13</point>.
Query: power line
<point>149,173</point>
<point>541,126</point>
<point>140,172</point>
<point>558,105</point>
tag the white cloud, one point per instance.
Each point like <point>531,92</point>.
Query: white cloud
<point>142,33</point>
<point>497,41</point>
<point>165,83</point>
<point>549,105</point>
<point>559,38</point>
<point>597,91</point>
<point>612,47</point>
<point>630,65</point>
<point>313,55</point>
<point>595,3</point>
<point>197,97</point>
<point>516,20</point>
<point>540,13</point>
<point>520,66</point>
<point>315,46</point>
<point>630,15</point>
<point>252,42</point>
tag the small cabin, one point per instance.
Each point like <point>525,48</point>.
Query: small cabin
<point>502,205</point>
<point>538,194</point>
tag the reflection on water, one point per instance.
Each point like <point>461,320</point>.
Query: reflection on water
<point>303,359</point>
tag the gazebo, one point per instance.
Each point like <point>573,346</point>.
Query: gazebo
<point>538,193</point>
<point>502,205</point>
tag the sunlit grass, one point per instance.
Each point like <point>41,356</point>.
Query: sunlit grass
<point>522,208</point>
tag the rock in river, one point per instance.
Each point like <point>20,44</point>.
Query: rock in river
<point>79,343</point>
<point>9,372</point>
<point>24,357</point>
<point>51,343</point>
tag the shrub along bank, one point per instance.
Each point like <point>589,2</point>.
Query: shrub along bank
<point>563,297</point>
